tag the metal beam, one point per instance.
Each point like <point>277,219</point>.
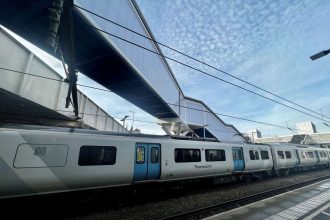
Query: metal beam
<point>69,54</point>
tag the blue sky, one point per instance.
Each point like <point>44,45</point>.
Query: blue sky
<point>267,43</point>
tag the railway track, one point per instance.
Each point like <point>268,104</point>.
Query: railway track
<point>235,203</point>
<point>142,206</point>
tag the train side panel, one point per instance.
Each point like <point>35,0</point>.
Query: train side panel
<point>176,166</point>
<point>285,157</point>
<point>46,161</point>
<point>11,180</point>
<point>307,157</point>
<point>38,162</point>
<point>257,158</point>
<point>322,156</point>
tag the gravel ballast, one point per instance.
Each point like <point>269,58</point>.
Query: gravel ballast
<point>195,199</point>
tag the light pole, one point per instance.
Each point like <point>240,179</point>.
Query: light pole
<point>123,120</point>
<point>252,135</point>
<point>204,129</point>
<point>132,121</point>
<point>320,54</point>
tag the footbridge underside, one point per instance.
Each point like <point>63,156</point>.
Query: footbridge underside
<point>137,75</point>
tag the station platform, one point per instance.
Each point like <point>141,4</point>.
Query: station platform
<point>310,202</point>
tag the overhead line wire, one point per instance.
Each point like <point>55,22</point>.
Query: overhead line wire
<point>205,73</point>
<point>44,77</point>
<point>128,119</point>
<point>198,60</point>
<point>195,109</point>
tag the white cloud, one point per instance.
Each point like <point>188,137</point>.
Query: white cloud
<point>264,42</point>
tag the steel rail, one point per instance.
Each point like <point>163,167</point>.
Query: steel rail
<point>236,203</point>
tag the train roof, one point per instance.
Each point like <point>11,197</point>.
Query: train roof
<point>98,132</point>
<point>77,130</point>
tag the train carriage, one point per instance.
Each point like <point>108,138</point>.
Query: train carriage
<point>322,157</point>
<point>257,159</point>
<point>39,160</point>
<point>285,158</point>
<point>308,158</point>
<point>191,159</point>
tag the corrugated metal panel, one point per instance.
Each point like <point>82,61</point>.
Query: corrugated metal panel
<point>194,113</point>
<point>38,89</point>
<point>13,57</point>
<point>150,66</point>
<point>115,127</point>
<point>225,132</point>
<point>48,93</point>
<point>182,107</point>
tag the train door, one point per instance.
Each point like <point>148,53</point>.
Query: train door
<point>297,157</point>
<point>238,159</point>
<point>147,162</point>
<point>317,156</point>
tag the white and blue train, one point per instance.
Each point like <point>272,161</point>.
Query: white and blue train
<point>40,160</point>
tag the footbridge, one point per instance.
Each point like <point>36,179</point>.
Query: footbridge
<point>137,75</point>
<point>38,96</point>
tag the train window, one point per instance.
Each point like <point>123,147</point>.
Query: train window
<point>97,155</point>
<point>187,155</point>
<point>323,154</point>
<point>140,154</point>
<point>280,154</point>
<point>234,154</point>
<point>303,154</point>
<point>288,154</point>
<point>215,155</point>
<point>310,154</point>
<point>264,155</point>
<point>154,155</point>
<point>240,154</point>
<point>254,155</point>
